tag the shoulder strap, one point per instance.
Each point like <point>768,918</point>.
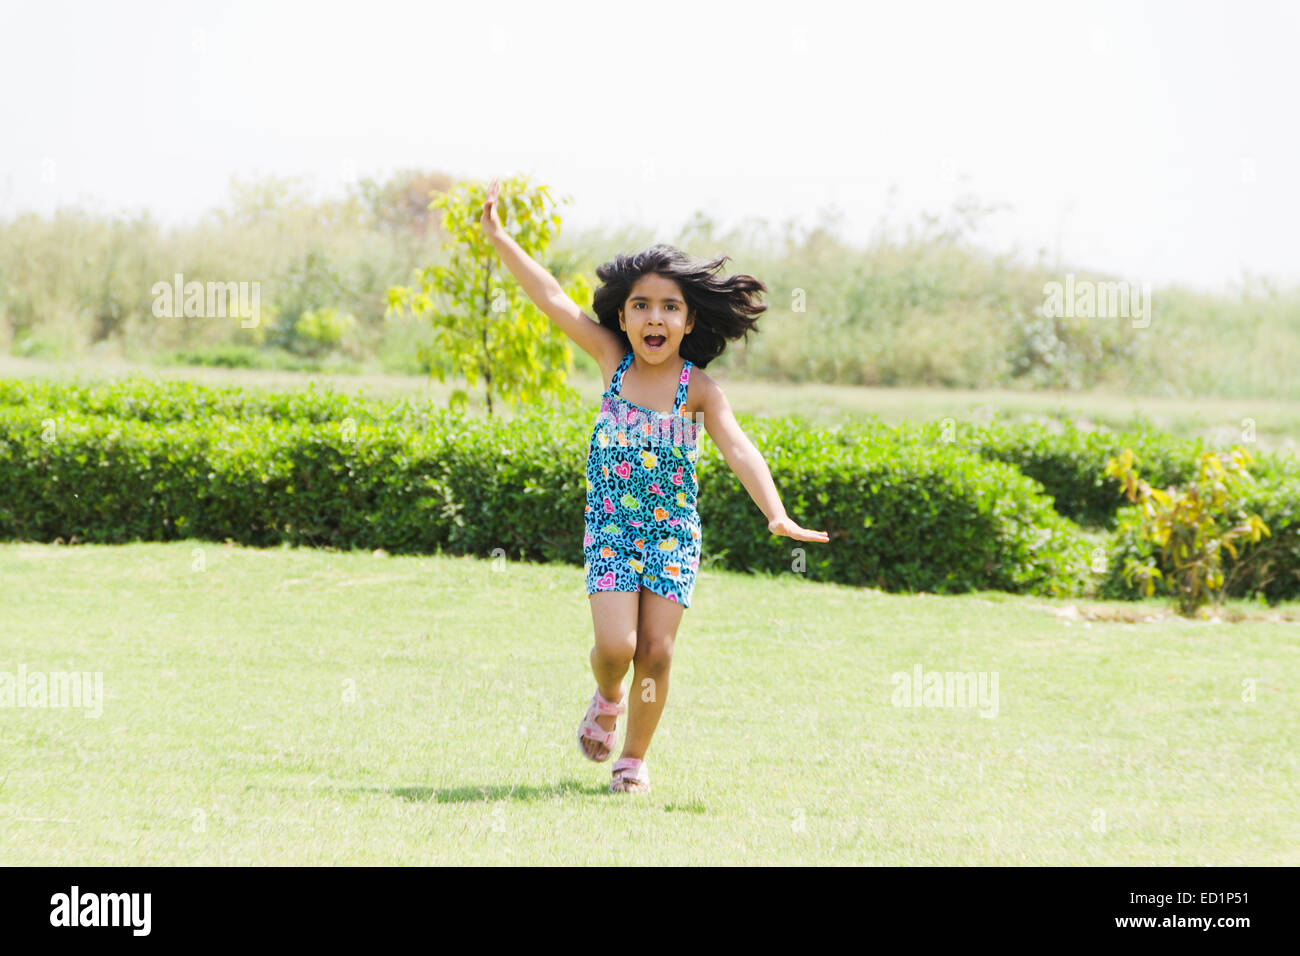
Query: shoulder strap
<point>679,406</point>
<point>616,383</point>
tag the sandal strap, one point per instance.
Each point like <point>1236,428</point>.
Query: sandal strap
<point>607,707</point>
<point>593,731</point>
<point>630,769</point>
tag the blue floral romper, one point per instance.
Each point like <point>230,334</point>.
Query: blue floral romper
<point>642,529</point>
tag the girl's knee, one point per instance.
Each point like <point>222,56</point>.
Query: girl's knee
<point>615,649</point>
<point>654,652</point>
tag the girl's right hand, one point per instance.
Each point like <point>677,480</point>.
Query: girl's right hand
<point>491,224</point>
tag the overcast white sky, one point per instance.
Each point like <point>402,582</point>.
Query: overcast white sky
<point>1157,141</point>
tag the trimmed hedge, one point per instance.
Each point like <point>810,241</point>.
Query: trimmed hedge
<point>261,483</point>
<point>1070,462</point>
<point>900,516</point>
<point>143,459</point>
<point>161,401</point>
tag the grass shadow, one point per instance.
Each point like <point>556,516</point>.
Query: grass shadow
<point>483,793</point>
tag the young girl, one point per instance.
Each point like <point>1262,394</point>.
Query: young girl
<point>661,315</point>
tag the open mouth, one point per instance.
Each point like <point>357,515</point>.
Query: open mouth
<point>653,342</point>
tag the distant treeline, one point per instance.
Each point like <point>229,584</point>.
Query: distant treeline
<point>927,307</point>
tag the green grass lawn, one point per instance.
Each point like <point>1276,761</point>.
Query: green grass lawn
<point>286,706</point>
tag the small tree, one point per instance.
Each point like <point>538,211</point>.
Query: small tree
<point>481,317</point>
<point>1190,526</point>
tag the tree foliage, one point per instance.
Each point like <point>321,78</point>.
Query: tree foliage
<point>482,319</point>
<point>1191,526</point>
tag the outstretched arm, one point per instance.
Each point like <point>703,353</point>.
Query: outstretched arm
<point>748,464</point>
<point>545,291</point>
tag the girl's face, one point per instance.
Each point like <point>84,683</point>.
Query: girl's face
<point>655,319</point>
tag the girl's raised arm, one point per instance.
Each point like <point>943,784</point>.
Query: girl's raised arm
<point>592,337</point>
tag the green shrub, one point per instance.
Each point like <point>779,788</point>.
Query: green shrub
<point>900,514</point>
<point>1194,527</point>
<point>40,345</point>
<point>319,330</point>
<point>1268,569</point>
<point>154,461</point>
<point>1071,462</point>
<point>152,400</point>
<point>224,356</point>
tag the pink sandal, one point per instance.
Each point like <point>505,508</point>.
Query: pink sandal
<point>631,775</point>
<point>590,730</point>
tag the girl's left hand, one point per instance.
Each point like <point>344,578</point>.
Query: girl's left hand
<point>783,525</point>
<point>490,221</point>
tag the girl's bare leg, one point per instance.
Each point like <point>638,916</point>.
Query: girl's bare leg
<point>614,617</point>
<point>656,634</point>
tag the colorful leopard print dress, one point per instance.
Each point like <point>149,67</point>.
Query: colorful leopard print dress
<point>642,529</point>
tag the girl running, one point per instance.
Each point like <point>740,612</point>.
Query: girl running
<point>662,317</point>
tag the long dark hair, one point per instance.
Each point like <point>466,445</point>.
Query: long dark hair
<point>724,308</point>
